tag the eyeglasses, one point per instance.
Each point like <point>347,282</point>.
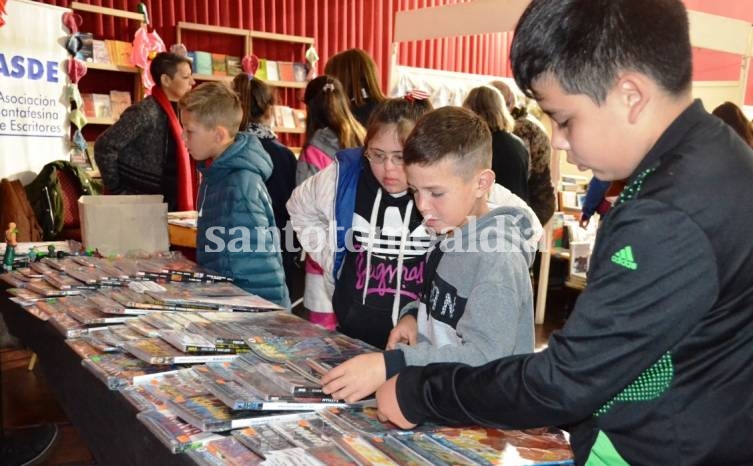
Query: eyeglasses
<point>378,157</point>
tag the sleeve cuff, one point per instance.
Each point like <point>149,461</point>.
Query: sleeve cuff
<point>408,393</point>
<point>394,362</point>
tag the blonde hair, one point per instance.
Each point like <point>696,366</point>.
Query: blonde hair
<point>488,103</point>
<point>214,104</point>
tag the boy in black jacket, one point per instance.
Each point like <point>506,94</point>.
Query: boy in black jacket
<point>653,365</point>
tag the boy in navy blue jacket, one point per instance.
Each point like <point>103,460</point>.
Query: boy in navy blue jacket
<point>236,229</point>
<point>653,365</point>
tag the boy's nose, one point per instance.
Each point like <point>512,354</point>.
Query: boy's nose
<point>559,141</point>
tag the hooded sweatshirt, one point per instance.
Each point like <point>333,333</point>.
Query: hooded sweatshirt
<point>477,302</point>
<point>232,195</point>
<point>388,247</point>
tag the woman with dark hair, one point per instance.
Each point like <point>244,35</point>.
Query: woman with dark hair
<point>257,99</point>
<point>733,116</point>
<point>357,73</point>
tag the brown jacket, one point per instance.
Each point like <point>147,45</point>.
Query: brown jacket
<point>15,207</point>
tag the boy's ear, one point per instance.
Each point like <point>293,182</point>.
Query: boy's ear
<point>221,134</point>
<point>485,181</point>
<point>634,93</point>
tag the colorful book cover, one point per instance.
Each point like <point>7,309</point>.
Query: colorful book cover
<point>261,71</point>
<point>273,73</point>
<point>286,71</point>
<point>203,62</point>
<point>102,107</point>
<point>300,72</point>
<point>262,439</point>
<point>219,68</point>
<point>86,50</point>
<point>432,450</point>
<point>119,101</point>
<point>175,434</point>
<point>363,451</point>
<point>100,53</point>
<point>233,65</point>
<point>231,451</point>
<point>398,452</point>
<point>192,56</point>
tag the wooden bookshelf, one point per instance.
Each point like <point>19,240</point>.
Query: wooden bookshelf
<point>111,67</point>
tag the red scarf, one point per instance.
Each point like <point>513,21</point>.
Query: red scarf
<point>187,180</point>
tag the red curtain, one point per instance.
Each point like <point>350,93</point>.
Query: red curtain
<point>335,25</point>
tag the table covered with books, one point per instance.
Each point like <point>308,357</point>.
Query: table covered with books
<point>156,362</point>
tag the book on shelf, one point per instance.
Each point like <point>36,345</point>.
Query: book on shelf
<point>203,62</point>
<point>219,68</point>
<point>191,55</point>
<point>87,105</point>
<point>299,114</point>
<point>300,71</point>
<point>120,52</point>
<point>86,49</point>
<point>273,73</point>
<point>233,65</point>
<point>285,71</point>
<point>100,53</point>
<point>119,101</point>
<point>102,106</point>
<point>261,71</point>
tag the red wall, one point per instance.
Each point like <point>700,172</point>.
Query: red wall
<point>367,24</point>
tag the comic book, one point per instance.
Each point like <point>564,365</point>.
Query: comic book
<point>89,314</point>
<point>222,296</point>
<point>15,279</point>
<point>232,452</point>
<point>293,382</point>
<point>25,295</point>
<point>34,310</point>
<point>177,268</point>
<point>63,281</point>
<point>291,457</point>
<point>82,348</point>
<point>175,434</point>
<point>498,447</point>
<point>143,328</point>
<point>142,399</point>
<point>40,268</point>
<point>262,439</point>
<point>43,288</point>
<point>120,369</point>
<point>435,452</point>
<point>397,451</point>
<point>210,414</point>
<point>332,455</point>
<point>364,452</point>
<point>158,351</point>
<point>300,433</point>
<point>67,325</point>
<point>363,421</point>
<point>189,342</point>
<point>133,300</point>
<point>110,306</point>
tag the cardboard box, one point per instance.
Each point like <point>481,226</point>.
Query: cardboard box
<point>120,224</point>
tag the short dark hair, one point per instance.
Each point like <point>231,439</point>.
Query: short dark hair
<point>166,63</point>
<point>731,114</point>
<point>399,111</point>
<point>584,44</point>
<point>450,133</point>
<point>257,98</point>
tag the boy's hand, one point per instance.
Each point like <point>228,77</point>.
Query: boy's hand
<point>387,407</point>
<point>356,378</point>
<point>406,331</point>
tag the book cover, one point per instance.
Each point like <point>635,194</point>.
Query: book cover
<point>87,105</point>
<point>100,53</point>
<point>219,68</point>
<point>432,450</point>
<point>228,450</point>
<point>261,71</point>
<point>120,52</point>
<point>233,65</point>
<point>102,107</point>
<point>332,455</point>
<point>192,56</point>
<point>299,115</point>
<point>41,287</point>
<point>86,50</point>
<point>286,71</point>
<point>273,73</point>
<point>178,436</point>
<point>82,348</point>
<point>288,119</point>
<point>398,452</point>
<point>203,62</point>
<point>300,72</point>
<point>364,452</point>
<point>262,439</point>
<point>119,101</point>
<point>120,369</point>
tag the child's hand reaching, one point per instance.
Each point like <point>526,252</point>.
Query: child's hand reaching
<point>406,331</point>
<point>356,378</point>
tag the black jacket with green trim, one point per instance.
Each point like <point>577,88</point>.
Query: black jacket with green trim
<point>655,363</point>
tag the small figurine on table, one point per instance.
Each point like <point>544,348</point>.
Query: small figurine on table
<point>10,246</point>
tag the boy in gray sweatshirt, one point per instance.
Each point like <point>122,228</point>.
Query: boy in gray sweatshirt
<point>477,299</point>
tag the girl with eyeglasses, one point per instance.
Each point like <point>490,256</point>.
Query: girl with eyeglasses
<point>356,218</point>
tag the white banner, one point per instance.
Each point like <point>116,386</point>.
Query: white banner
<point>34,127</point>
